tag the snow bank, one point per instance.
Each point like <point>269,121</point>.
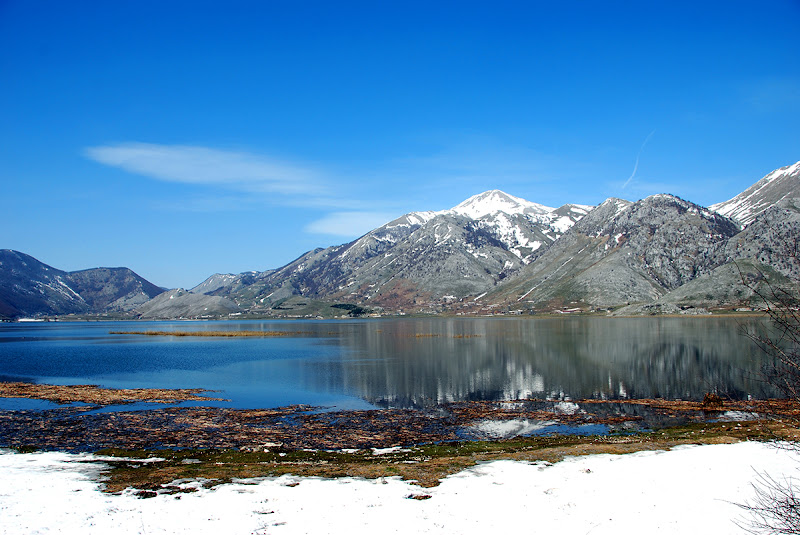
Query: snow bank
<point>686,490</point>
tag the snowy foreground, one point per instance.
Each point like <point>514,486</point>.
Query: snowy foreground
<point>687,490</point>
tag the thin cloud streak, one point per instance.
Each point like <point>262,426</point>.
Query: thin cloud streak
<point>639,155</point>
<point>251,179</point>
<point>201,165</point>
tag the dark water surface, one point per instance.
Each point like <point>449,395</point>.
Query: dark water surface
<point>397,362</point>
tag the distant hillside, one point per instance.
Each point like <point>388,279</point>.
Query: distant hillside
<point>29,287</point>
<point>179,303</point>
<point>764,254</point>
<point>112,289</point>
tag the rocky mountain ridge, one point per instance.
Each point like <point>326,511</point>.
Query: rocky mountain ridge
<point>29,287</point>
<point>622,253</point>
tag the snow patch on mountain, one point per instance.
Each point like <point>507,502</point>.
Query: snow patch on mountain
<point>493,201</point>
<point>783,183</point>
<point>562,224</point>
<point>214,282</point>
<point>411,219</point>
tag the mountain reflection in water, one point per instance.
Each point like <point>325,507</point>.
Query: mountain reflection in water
<point>405,362</point>
<point>420,362</point>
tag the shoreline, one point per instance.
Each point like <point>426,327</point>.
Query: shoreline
<point>84,427</point>
<point>218,445</point>
<point>712,313</point>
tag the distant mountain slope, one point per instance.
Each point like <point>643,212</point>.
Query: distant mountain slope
<point>623,252</point>
<point>112,289</point>
<point>764,253</point>
<point>419,257</point>
<point>772,238</point>
<point>498,250</point>
<point>783,183</point>
<point>29,287</point>
<point>217,281</point>
<point>179,303</point>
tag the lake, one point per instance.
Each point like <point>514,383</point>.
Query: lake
<point>403,362</point>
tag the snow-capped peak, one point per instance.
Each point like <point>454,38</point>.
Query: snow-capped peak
<point>783,171</point>
<point>779,184</point>
<point>492,201</point>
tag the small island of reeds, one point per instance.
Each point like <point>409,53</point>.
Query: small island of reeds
<point>224,334</point>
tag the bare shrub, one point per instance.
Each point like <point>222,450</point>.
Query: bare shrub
<point>712,401</point>
<point>774,509</point>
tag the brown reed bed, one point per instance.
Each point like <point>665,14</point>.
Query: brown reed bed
<point>222,334</point>
<point>96,395</point>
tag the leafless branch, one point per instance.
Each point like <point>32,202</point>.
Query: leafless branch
<point>775,508</point>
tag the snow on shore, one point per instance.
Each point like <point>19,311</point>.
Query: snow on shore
<point>687,490</point>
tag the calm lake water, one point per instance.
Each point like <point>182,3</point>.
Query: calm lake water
<point>397,362</point>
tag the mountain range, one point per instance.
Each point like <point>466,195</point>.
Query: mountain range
<point>417,259</point>
<point>491,253</point>
<point>30,288</point>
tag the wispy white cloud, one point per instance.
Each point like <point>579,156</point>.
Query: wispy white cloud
<point>349,224</point>
<point>245,181</point>
<point>652,187</point>
<point>202,165</point>
<point>639,155</point>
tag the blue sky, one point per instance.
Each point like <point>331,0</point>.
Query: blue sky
<point>182,139</point>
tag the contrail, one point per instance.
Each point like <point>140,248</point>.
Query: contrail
<point>636,165</point>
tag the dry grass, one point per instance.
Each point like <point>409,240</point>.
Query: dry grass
<point>438,335</point>
<point>96,395</point>
<point>783,407</point>
<point>425,465</point>
<point>222,334</point>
